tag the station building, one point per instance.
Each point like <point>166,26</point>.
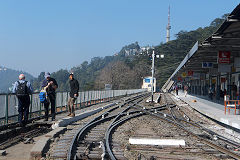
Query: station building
<point>147,84</point>
<point>213,66</point>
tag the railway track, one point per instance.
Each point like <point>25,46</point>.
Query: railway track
<point>187,121</point>
<point>20,134</point>
<point>83,138</point>
<point>89,142</point>
<point>95,136</point>
<point>210,142</point>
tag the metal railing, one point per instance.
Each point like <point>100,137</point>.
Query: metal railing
<point>9,103</point>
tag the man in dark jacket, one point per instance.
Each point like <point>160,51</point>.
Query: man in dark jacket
<point>74,88</point>
<point>50,84</point>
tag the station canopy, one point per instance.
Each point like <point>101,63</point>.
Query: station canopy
<point>225,39</point>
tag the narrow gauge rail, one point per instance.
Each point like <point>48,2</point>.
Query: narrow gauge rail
<point>181,120</point>
<point>89,143</point>
<point>98,133</point>
<point>20,134</point>
<point>181,116</point>
<point>62,147</point>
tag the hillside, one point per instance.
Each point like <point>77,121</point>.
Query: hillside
<point>127,68</point>
<point>8,77</point>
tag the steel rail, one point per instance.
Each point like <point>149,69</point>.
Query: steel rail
<point>82,129</point>
<point>115,119</point>
<point>74,140</point>
<point>114,125</point>
<point>236,144</point>
<point>219,148</point>
<point>210,132</point>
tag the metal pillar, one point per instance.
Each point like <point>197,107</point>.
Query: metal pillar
<point>218,87</point>
<point>195,89</point>
<point>199,87</point>
<point>204,85</point>
<point>6,111</point>
<point>229,80</point>
<point>192,87</point>
<point>153,56</point>
<point>210,85</point>
<point>238,87</point>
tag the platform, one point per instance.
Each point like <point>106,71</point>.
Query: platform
<point>211,109</point>
<point>156,97</point>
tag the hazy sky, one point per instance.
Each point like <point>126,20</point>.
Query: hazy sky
<point>47,35</point>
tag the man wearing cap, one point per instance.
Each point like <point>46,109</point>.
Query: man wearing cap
<point>22,89</point>
<point>50,84</point>
<point>74,88</point>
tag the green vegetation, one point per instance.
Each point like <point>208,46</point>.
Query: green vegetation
<point>126,69</point>
<point>8,77</point>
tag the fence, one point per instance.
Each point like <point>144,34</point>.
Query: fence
<point>9,102</point>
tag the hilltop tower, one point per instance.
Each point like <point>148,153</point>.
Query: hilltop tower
<point>168,26</point>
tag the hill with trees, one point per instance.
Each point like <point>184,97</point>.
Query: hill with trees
<point>126,69</point>
<point>8,77</point>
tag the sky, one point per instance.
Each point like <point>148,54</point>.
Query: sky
<point>49,35</point>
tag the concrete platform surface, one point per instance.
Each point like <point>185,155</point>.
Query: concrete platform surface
<point>211,109</point>
<point>156,97</point>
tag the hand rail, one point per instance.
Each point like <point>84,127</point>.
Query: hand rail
<point>8,102</point>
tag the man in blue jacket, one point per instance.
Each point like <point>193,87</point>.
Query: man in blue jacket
<point>23,89</point>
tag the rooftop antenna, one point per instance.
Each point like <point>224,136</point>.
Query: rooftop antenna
<point>168,26</point>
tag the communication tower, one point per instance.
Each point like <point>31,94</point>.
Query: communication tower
<point>168,26</point>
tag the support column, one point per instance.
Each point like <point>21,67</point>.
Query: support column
<point>195,87</point>
<point>210,86</point>
<point>238,84</point>
<point>199,87</point>
<point>191,84</point>
<point>229,80</point>
<point>205,85</point>
<point>218,87</point>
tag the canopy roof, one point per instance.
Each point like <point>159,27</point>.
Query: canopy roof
<point>226,38</point>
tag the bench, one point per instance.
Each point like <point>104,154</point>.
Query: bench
<point>231,104</point>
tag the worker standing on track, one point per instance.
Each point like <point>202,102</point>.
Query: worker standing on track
<point>51,85</point>
<point>74,88</point>
<point>22,89</point>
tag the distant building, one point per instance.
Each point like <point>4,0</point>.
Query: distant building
<point>147,84</point>
<point>116,54</point>
<point>108,86</point>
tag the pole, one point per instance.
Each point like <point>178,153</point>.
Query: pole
<point>153,56</point>
<point>6,111</point>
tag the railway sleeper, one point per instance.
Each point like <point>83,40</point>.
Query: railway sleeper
<point>93,139</point>
<point>222,156</point>
<point>117,149</point>
<point>95,134</point>
<point>97,155</point>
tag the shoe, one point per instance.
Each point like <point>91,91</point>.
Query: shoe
<point>72,115</point>
<point>45,120</point>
